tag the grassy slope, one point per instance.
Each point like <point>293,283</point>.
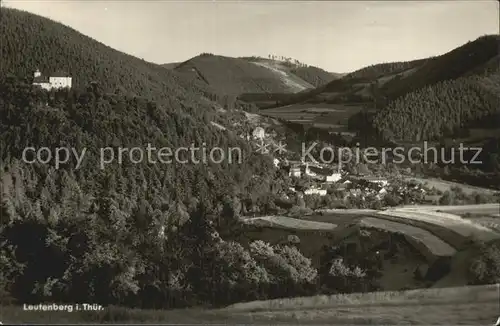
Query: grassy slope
<point>171,65</point>
<point>236,76</point>
<point>233,76</point>
<point>476,305</point>
<point>315,76</point>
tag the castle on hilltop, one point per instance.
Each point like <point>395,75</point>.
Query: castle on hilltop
<point>57,80</point>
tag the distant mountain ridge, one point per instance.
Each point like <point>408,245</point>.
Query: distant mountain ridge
<point>392,80</point>
<point>236,76</point>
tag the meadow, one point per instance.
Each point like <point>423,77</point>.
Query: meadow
<point>471,305</point>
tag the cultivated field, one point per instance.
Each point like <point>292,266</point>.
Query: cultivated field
<point>462,227</point>
<point>326,116</point>
<point>429,245</point>
<point>442,221</point>
<point>492,222</point>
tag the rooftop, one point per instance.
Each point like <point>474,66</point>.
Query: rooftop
<point>40,79</point>
<point>59,73</point>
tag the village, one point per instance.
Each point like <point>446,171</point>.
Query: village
<point>350,186</point>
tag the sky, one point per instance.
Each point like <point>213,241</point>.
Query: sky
<point>337,36</point>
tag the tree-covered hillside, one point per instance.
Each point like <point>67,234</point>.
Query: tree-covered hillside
<point>452,65</point>
<point>383,69</point>
<point>443,109</point>
<point>138,231</point>
<point>315,76</point>
<point>91,234</point>
<point>30,42</point>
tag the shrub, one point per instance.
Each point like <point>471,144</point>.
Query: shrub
<point>485,269</point>
<point>289,271</point>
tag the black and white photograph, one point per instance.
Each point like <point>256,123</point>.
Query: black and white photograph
<point>225,162</point>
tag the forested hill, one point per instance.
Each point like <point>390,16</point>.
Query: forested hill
<point>451,94</point>
<point>446,109</point>
<point>30,42</point>
<point>459,62</point>
<point>122,234</point>
<point>383,69</point>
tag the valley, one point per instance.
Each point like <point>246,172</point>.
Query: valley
<point>277,236</point>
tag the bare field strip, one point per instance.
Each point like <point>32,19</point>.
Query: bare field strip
<point>444,185</point>
<point>474,208</point>
<point>325,109</point>
<point>464,227</point>
<point>430,245</point>
<point>492,208</point>
<point>290,223</point>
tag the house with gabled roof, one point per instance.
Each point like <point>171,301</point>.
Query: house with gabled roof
<point>58,79</point>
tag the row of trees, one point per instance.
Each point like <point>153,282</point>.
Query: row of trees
<point>288,60</point>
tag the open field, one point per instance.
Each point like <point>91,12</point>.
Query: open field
<point>463,305</point>
<point>463,227</point>
<point>472,305</point>
<point>442,221</point>
<point>327,116</point>
<point>446,234</point>
<point>471,293</point>
<point>430,245</point>
<point>491,221</point>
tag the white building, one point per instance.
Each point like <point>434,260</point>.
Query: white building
<point>276,162</point>
<point>380,181</point>
<point>259,133</point>
<point>295,172</point>
<point>54,81</point>
<point>334,177</point>
<point>315,191</point>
